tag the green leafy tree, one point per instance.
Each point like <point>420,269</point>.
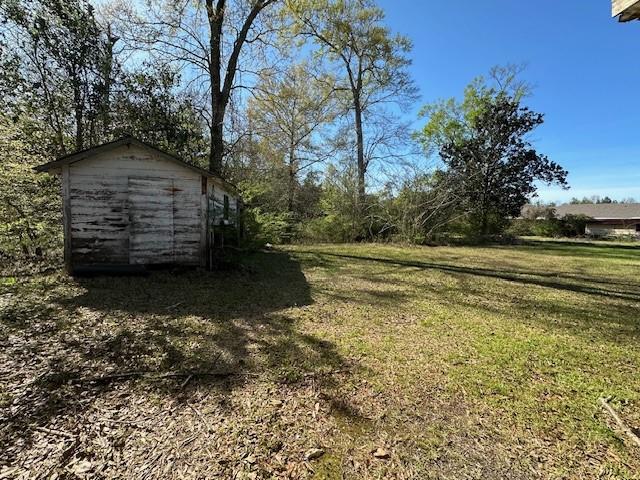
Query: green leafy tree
<point>494,167</point>
<point>490,169</point>
<point>340,220</point>
<point>30,210</point>
<point>149,105</point>
<point>450,120</point>
<point>58,50</point>
<point>596,199</point>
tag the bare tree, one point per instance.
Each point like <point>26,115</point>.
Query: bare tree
<point>372,62</point>
<point>289,113</point>
<point>206,38</point>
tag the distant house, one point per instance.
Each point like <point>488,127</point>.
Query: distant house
<point>604,219</point>
<point>128,203</point>
<point>626,10</point>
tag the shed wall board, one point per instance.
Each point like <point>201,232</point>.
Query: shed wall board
<point>100,197</point>
<point>217,190</point>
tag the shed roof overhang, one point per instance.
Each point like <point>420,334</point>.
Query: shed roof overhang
<point>626,10</point>
<point>55,165</point>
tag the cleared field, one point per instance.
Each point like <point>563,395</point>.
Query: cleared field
<point>454,362</point>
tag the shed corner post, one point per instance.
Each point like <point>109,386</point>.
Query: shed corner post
<point>204,222</point>
<point>66,216</point>
<point>240,220</point>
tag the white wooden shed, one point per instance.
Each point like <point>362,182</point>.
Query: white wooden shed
<point>129,203</point>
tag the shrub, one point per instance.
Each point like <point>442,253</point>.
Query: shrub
<point>330,228</point>
<point>266,227</point>
<point>521,227</point>
<point>30,204</point>
<point>574,225</point>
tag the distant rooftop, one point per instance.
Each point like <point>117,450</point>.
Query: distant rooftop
<point>598,211</point>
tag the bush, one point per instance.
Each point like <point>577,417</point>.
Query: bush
<point>521,227</point>
<point>574,225</point>
<point>547,228</point>
<point>328,229</point>
<point>30,204</point>
<point>267,227</point>
<point>568,226</point>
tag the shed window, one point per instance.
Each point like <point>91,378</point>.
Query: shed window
<point>637,227</point>
<point>225,211</point>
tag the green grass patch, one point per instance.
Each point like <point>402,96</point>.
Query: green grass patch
<point>462,362</point>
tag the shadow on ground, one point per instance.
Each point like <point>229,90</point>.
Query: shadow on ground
<point>168,332</point>
<point>612,251</point>
<point>529,277</point>
<point>606,310</point>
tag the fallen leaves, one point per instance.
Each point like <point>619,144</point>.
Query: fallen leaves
<point>313,453</point>
<point>381,453</point>
<point>100,378</point>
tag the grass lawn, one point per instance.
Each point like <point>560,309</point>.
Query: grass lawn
<point>458,362</point>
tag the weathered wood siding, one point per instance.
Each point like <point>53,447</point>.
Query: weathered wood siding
<point>216,191</point>
<point>130,205</point>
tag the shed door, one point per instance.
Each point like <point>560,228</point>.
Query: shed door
<point>151,229</point>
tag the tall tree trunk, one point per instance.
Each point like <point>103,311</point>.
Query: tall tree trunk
<point>79,114</point>
<point>215,16</point>
<point>292,180</point>
<point>221,91</point>
<point>362,166</point>
<point>216,153</point>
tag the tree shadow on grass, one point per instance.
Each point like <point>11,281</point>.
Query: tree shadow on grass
<point>567,245</point>
<point>606,314</point>
<point>581,249</point>
<point>211,330</point>
<point>594,320</point>
<point>571,283</point>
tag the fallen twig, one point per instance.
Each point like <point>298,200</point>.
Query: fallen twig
<point>106,378</point>
<point>58,433</point>
<point>206,424</point>
<point>149,375</point>
<point>326,373</point>
<point>621,424</point>
<point>186,380</point>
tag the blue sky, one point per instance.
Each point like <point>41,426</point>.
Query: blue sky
<point>585,67</point>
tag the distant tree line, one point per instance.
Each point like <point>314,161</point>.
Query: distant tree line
<point>595,199</point>
<point>301,103</point>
